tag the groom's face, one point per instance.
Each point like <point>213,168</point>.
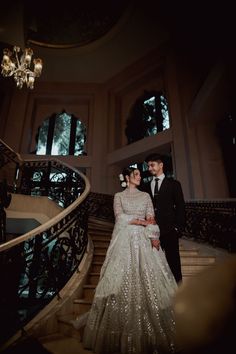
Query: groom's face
<point>155,168</point>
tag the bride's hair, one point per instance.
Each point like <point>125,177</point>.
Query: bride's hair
<point>126,172</point>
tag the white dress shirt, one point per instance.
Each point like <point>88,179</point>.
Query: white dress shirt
<point>153,182</point>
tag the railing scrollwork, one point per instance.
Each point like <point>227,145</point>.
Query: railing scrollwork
<point>212,222</point>
<point>34,267</point>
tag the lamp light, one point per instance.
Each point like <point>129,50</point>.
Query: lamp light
<point>17,64</point>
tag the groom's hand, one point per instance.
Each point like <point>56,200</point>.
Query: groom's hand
<point>156,244</point>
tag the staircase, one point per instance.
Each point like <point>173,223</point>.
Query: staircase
<point>68,340</point>
<point>192,261</point>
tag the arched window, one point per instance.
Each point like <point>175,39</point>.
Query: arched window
<point>61,134</point>
<point>148,116</point>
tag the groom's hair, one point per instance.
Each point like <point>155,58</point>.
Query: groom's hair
<point>155,157</point>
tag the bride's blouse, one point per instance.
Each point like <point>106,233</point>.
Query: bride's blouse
<point>133,202</point>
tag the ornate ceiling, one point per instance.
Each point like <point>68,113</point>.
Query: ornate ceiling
<point>71,24</point>
<point>92,41</point>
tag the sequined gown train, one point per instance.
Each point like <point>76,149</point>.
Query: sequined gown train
<point>131,311</point>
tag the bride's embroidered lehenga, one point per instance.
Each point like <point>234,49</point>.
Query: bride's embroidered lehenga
<point>131,311</point>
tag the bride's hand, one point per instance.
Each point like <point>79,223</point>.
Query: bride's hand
<point>156,244</point>
<point>141,222</point>
<point>151,221</point>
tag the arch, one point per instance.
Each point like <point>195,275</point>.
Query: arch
<point>61,134</point>
<point>148,116</point>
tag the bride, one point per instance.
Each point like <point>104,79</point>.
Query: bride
<point>132,307</point>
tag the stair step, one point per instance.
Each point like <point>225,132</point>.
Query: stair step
<point>189,253</point>
<point>89,291</point>
<point>192,247</point>
<point>61,344</point>
<point>98,233</point>
<point>99,256</point>
<point>96,239</point>
<point>99,253</point>
<point>186,277</point>
<point>194,268</point>
<point>81,305</point>
<point>96,266</point>
<point>89,286</point>
<point>100,238</point>
<point>197,260</point>
<point>101,243</point>
<point>184,249</point>
<point>82,301</point>
<point>51,337</point>
<point>93,277</point>
<point>100,248</point>
<point>98,222</point>
<point>66,318</point>
<point>66,327</point>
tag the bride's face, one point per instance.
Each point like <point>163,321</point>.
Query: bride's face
<point>135,178</point>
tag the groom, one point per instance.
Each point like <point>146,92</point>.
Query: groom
<point>169,206</point>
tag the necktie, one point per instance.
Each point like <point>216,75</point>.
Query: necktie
<point>156,187</point>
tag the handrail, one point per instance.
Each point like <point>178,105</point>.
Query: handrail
<point>9,153</point>
<point>34,267</point>
<point>56,218</point>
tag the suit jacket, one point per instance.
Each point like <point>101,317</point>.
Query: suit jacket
<point>169,205</point>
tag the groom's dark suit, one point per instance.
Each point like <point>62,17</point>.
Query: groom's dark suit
<point>169,209</point>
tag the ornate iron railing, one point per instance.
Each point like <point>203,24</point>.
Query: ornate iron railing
<point>51,178</point>
<point>213,222</point>
<point>8,155</point>
<point>34,267</point>
<point>101,206</point>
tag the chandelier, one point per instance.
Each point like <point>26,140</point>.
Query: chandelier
<point>17,64</point>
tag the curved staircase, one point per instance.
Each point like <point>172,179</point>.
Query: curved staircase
<point>69,338</point>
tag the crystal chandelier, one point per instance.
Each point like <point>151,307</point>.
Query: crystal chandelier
<point>17,64</point>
